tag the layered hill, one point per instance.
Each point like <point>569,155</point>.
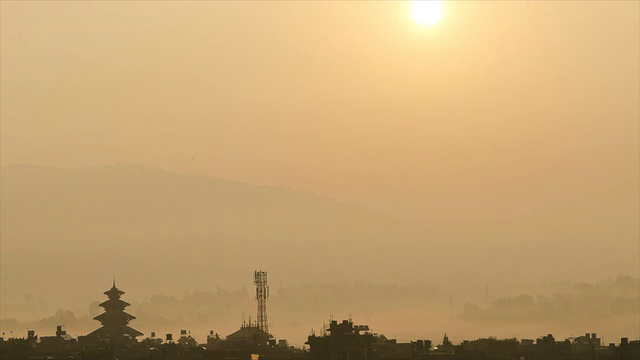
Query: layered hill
<point>67,232</point>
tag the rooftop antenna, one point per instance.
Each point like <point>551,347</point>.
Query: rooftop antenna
<point>262,294</point>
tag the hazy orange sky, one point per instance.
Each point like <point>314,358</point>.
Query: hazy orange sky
<point>502,112</point>
<point>508,124</point>
<point>499,103</point>
<point>503,107</point>
<point>350,99</point>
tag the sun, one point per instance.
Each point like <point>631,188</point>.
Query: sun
<point>426,12</point>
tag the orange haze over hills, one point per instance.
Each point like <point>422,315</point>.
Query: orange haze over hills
<point>326,142</point>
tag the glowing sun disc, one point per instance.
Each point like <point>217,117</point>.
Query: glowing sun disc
<point>426,12</point>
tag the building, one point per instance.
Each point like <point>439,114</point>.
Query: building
<point>115,321</point>
<point>250,334</point>
<point>344,341</point>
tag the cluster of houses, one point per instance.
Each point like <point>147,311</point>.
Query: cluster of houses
<point>116,339</point>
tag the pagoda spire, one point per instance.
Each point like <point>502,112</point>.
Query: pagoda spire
<point>114,320</point>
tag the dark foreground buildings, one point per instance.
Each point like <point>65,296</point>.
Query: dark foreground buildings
<point>347,341</point>
<point>344,340</point>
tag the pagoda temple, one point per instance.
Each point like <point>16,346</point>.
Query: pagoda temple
<point>114,319</point>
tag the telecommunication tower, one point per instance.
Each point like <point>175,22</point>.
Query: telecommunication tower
<point>262,294</point>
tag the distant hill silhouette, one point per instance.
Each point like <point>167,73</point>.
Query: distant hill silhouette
<point>161,232</point>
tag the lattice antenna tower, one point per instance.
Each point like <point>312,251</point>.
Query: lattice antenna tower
<point>262,294</point>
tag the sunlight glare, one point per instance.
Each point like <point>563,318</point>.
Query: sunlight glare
<point>426,12</point>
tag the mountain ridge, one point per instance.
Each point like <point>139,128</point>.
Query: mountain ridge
<point>140,222</point>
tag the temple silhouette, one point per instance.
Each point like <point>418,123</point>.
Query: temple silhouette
<point>115,321</point>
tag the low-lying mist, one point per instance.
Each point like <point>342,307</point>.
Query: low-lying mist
<point>406,312</point>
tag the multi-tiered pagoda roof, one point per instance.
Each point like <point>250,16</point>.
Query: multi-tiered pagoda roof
<point>114,320</point>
